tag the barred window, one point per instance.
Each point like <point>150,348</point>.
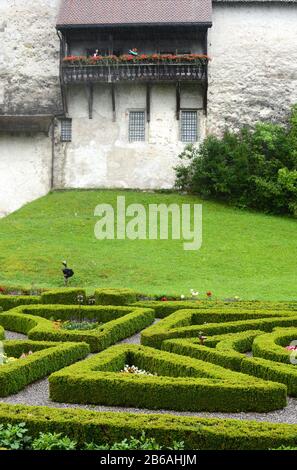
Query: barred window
<point>136,126</point>
<point>189,132</point>
<point>66,130</point>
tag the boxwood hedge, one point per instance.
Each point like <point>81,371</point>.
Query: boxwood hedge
<point>182,383</point>
<point>165,308</point>
<point>228,352</point>
<point>189,323</point>
<point>2,333</point>
<point>63,296</point>
<point>272,346</point>
<point>118,323</point>
<point>47,357</point>
<point>115,296</point>
<point>108,427</point>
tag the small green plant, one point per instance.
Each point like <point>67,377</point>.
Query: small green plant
<point>53,441</point>
<point>83,325</point>
<point>133,443</point>
<point>14,436</point>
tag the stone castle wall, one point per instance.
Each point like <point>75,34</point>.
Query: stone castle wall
<point>253,72</point>
<point>29,57</point>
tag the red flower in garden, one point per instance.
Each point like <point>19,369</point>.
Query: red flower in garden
<point>164,299</point>
<point>209,293</point>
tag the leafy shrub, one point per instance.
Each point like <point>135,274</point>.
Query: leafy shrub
<point>53,441</point>
<point>133,443</point>
<point>14,436</point>
<point>255,168</point>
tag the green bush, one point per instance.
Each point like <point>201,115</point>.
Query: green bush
<point>181,383</point>
<point>228,351</point>
<point>115,296</point>
<point>189,323</point>
<point>11,301</point>
<point>47,357</point>
<point>63,296</point>
<point>119,323</point>
<point>163,309</point>
<point>272,346</point>
<point>255,167</point>
<point>53,441</point>
<point>2,333</point>
<point>14,436</point>
<point>108,427</point>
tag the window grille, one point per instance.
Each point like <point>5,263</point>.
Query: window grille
<point>189,131</point>
<point>136,126</point>
<point>66,130</point>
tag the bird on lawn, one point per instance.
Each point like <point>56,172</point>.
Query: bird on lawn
<point>67,272</point>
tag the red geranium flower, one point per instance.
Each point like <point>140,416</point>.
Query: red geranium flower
<point>209,293</point>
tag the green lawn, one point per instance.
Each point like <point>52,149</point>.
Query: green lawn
<point>250,255</point>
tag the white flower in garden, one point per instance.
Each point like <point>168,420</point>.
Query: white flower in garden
<point>182,296</point>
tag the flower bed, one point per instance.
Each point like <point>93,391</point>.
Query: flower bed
<point>141,58</point>
<point>181,383</point>
<point>36,321</point>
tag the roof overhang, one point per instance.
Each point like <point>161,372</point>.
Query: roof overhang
<point>133,13</point>
<point>63,27</point>
<point>31,124</point>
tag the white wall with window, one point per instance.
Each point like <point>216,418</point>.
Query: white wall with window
<point>125,150</point>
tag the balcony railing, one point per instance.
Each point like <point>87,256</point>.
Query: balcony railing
<point>112,73</point>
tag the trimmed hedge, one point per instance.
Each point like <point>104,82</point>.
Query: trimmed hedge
<point>107,427</point>
<point>63,296</point>
<point>228,353</point>
<point>272,346</point>
<point>182,383</point>
<point>189,323</point>
<point>115,297</point>
<point>2,333</point>
<point>11,301</point>
<point>119,323</point>
<point>163,309</point>
<point>46,358</point>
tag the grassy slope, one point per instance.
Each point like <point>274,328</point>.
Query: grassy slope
<point>246,254</point>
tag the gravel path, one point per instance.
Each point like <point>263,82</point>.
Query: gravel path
<point>13,335</point>
<point>38,394</point>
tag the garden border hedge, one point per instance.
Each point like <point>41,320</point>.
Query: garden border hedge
<point>47,357</point>
<point>109,427</point>
<point>165,308</point>
<point>30,320</point>
<point>2,333</point>
<point>110,296</point>
<point>178,324</point>
<point>228,352</point>
<point>272,346</point>
<point>184,384</point>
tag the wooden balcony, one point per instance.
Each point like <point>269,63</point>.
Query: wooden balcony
<point>134,72</point>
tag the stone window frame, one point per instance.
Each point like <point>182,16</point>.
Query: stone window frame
<point>198,131</point>
<point>137,110</point>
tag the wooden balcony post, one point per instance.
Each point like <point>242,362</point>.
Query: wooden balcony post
<point>90,92</point>
<point>148,102</point>
<point>177,100</point>
<point>113,102</point>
